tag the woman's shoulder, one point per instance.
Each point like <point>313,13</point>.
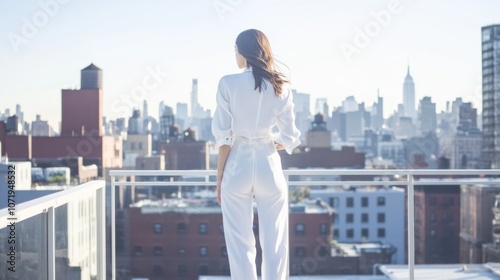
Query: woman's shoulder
<point>233,77</point>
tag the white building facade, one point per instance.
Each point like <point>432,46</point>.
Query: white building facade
<point>368,215</point>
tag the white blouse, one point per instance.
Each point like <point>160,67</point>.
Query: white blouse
<point>244,112</point>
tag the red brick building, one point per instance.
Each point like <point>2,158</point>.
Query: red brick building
<point>187,155</point>
<point>173,242</point>
<point>315,157</point>
<point>81,134</point>
<point>437,224</point>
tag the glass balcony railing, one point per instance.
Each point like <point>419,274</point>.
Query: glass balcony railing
<point>182,183</point>
<point>56,236</point>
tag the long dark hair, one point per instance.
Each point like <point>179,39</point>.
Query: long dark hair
<point>254,46</point>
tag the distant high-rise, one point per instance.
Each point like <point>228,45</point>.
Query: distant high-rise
<point>409,96</point>
<point>194,99</point>
<point>427,115</point>
<point>377,113</point>
<point>145,113</point>
<point>491,95</point>
<point>302,110</point>
<point>322,107</point>
<point>91,77</point>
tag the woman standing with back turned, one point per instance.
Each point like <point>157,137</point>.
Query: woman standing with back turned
<point>249,105</point>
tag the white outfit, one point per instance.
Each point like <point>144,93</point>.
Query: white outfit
<point>244,119</point>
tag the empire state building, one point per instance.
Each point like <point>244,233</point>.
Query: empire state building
<point>409,97</point>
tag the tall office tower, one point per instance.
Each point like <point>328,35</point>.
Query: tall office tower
<point>350,104</point>
<point>145,113</point>
<point>82,109</point>
<point>491,95</point>
<point>377,113</point>
<point>91,77</point>
<point>322,107</point>
<point>302,110</point>
<point>135,123</point>
<point>194,99</point>
<point>39,127</point>
<point>181,110</point>
<point>167,120</point>
<point>427,115</point>
<point>409,96</point>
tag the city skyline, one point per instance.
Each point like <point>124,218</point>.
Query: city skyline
<point>176,42</point>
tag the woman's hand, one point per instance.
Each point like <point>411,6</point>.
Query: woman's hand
<point>279,146</point>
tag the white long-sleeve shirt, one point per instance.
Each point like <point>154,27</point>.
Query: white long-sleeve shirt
<point>244,112</point>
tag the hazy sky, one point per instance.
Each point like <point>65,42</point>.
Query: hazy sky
<point>45,43</point>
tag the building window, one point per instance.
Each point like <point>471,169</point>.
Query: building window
<point>432,201</point>
<point>333,201</point>
<point>300,229</point>
<point>158,251</point>
<point>432,233</point>
<point>336,234</point>
<point>300,251</point>
<point>182,251</point>
<point>157,270</point>
<point>138,251</point>
<point>380,201</point>
<point>381,233</point>
<point>381,217</point>
<point>223,251</point>
<point>364,233</point>
<point>157,228</point>
<point>350,201</point>
<point>203,251</point>
<point>182,270</point>
<point>336,218</point>
<point>140,146</point>
<point>433,218</point>
<point>349,233</point>
<point>364,201</point>
<point>132,146</point>
<point>349,218</point>
<point>181,228</point>
<point>364,218</point>
<point>203,228</point>
<point>323,228</point>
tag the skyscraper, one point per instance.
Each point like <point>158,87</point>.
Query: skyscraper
<point>491,95</point>
<point>409,96</point>
<point>194,100</point>
<point>91,77</point>
<point>427,115</point>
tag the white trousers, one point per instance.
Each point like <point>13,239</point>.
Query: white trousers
<point>253,169</point>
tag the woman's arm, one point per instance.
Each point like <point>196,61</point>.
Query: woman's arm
<point>223,153</point>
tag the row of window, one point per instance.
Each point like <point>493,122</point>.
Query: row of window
<point>300,229</point>
<point>349,201</point>
<point>365,233</point>
<point>132,145</point>
<point>349,218</point>
<point>158,251</point>
<point>182,228</point>
<point>203,229</point>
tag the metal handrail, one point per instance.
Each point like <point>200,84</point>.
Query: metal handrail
<point>404,177</point>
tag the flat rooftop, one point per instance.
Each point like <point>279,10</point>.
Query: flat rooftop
<point>444,271</point>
